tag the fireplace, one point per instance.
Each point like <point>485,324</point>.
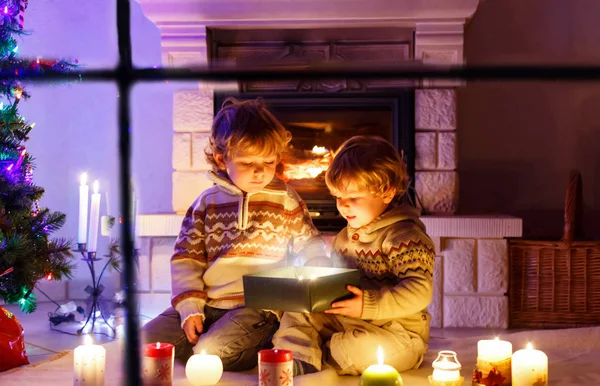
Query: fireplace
<point>470,280</point>
<point>319,124</point>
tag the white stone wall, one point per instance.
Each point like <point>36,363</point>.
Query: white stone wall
<point>435,150</point>
<point>436,178</point>
<point>470,282</point>
<point>192,119</point>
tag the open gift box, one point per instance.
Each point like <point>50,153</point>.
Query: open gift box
<point>299,289</point>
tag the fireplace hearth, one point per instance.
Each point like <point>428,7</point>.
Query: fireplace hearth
<point>319,124</point>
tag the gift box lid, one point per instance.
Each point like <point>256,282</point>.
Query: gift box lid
<point>299,289</point>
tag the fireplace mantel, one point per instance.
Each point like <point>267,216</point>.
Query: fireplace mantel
<point>246,12</point>
<point>438,23</point>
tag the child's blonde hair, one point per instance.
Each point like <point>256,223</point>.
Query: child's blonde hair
<point>245,127</point>
<point>369,161</point>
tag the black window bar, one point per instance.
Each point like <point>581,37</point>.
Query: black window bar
<point>126,75</point>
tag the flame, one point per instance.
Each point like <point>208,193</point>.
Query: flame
<point>310,168</point>
<point>529,346</point>
<point>157,344</point>
<point>497,339</point>
<point>83,179</point>
<point>87,340</point>
<point>203,352</point>
<point>380,355</point>
<point>319,150</point>
<point>96,186</point>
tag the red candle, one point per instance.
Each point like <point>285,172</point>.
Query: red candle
<point>275,368</point>
<point>158,364</point>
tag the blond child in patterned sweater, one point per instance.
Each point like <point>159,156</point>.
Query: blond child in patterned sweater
<point>244,224</point>
<point>388,245</point>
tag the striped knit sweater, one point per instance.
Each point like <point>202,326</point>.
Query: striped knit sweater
<point>227,233</point>
<point>395,258</point>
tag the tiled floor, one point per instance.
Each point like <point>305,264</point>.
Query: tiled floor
<point>44,341</point>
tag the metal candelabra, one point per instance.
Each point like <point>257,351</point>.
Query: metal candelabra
<point>95,291</point>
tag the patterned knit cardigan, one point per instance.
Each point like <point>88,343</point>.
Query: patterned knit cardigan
<point>395,258</point>
<point>227,233</point>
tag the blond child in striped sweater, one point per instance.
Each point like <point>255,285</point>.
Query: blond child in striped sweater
<point>244,224</point>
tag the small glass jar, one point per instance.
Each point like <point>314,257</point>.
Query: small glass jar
<point>446,369</point>
<point>275,368</point>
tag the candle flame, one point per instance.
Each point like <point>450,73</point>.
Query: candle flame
<point>83,179</point>
<point>529,346</point>
<point>157,344</point>
<point>497,339</point>
<point>87,340</point>
<point>96,186</point>
<point>300,278</point>
<point>313,277</point>
<point>380,355</point>
<point>203,352</point>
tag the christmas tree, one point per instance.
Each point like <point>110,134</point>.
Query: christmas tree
<point>27,253</point>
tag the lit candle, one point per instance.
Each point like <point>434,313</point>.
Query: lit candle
<point>158,364</point>
<point>380,374</point>
<point>494,354</point>
<point>202,369</point>
<point>89,360</point>
<point>529,367</point>
<point>94,219</point>
<point>84,191</point>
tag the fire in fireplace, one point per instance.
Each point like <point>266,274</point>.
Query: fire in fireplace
<point>320,124</point>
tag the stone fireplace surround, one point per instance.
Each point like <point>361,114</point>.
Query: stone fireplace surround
<point>471,272</point>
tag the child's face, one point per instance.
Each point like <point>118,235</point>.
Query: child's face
<point>248,172</point>
<point>359,206</point>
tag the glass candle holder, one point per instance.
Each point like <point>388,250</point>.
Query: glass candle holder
<point>446,370</point>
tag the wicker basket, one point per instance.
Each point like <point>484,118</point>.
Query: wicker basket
<point>556,284</point>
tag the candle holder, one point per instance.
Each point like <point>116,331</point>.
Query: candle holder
<point>96,302</point>
<point>446,370</point>
<point>434,382</point>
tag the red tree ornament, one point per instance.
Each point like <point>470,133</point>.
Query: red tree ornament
<point>12,344</point>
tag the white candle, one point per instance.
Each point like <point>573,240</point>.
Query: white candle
<point>89,360</point>
<point>94,219</point>
<point>84,191</point>
<point>445,370</point>
<point>202,369</point>
<point>494,354</point>
<point>494,350</point>
<point>529,367</point>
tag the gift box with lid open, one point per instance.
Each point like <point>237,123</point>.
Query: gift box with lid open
<point>299,289</point>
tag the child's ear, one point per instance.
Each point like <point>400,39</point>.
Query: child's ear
<point>389,195</point>
<point>220,160</point>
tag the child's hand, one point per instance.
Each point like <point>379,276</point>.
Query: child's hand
<point>351,307</point>
<point>193,328</point>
